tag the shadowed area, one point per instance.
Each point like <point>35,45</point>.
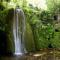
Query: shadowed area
<point>3,42</point>
<point>39,55</point>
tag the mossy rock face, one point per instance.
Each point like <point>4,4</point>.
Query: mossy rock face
<point>6,36</point>
<point>9,31</point>
<point>6,26</point>
<point>29,41</point>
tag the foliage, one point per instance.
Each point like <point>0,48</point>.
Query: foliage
<point>42,24</point>
<point>54,8</point>
<point>55,41</point>
<point>39,24</point>
<point>53,5</point>
<point>1,7</point>
<point>46,17</point>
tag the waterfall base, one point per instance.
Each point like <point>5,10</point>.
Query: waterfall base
<point>18,54</point>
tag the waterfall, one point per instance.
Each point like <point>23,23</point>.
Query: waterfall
<point>18,31</point>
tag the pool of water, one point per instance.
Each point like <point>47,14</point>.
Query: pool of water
<point>39,55</point>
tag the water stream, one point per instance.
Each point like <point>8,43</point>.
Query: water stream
<point>18,31</point>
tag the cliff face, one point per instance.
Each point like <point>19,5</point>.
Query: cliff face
<point>6,38</point>
<point>29,39</point>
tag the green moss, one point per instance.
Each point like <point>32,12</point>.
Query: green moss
<point>1,7</point>
<point>29,40</point>
<point>6,19</point>
<point>8,29</point>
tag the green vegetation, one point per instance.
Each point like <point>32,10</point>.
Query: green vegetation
<point>41,30</point>
<point>5,27</point>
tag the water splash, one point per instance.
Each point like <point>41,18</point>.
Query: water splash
<point>18,31</point>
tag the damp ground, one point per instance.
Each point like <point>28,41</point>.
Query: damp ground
<point>51,54</point>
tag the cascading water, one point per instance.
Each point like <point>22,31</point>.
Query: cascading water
<point>18,31</point>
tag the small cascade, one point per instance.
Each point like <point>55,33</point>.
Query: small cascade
<point>18,31</point>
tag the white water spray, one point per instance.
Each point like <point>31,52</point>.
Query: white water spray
<point>18,31</point>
